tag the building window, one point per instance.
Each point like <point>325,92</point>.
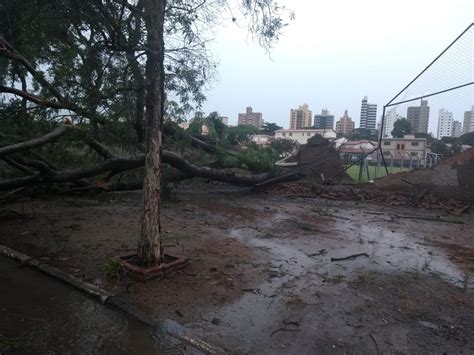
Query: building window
<point>415,144</point>
<point>309,134</point>
<point>403,146</point>
<point>290,134</point>
<point>414,154</point>
<point>283,134</point>
<point>387,143</point>
<point>398,146</point>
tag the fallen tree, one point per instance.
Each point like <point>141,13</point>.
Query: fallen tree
<point>107,64</point>
<point>39,172</point>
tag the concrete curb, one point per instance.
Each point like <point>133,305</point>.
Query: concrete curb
<point>171,328</point>
<point>81,285</point>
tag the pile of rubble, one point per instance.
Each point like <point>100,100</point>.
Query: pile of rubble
<point>321,159</point>
<point>424,199</point>
<point>451,178</point>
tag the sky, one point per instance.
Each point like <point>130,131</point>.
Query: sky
<point>332,55</point>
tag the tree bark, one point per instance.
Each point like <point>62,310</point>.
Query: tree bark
<point>24,146</point>
<point>149,245</point>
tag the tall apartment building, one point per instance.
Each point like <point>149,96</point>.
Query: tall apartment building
<point>445,124</point>
<point>324,121</point>
<point>250,118</point>
<point>469,121</point>
<point>419,117</point>
<point>225,120</point>
<point>457,129</point>
<point>301,117</point>
<point>345,125</point>
<point>368,115</point>
<point>390,117</point>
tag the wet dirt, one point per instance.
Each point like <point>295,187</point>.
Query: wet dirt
<point>311,304</point>
<point>39,315</point>
<point>261,278</point>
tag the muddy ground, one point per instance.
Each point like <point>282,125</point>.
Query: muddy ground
<point>262,276</point>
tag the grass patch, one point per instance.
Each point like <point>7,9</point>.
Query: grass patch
<point>113,269</point>
<point>353,172</point>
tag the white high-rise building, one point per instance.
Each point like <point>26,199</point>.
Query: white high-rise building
<point>445,123</point>
<point>390,117</point>
<point>457,128</point>
<point>469,121</point>
<point>368,115</point>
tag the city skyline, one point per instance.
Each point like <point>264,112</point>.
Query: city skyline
<point>336,68</point>
<point>391,115</point>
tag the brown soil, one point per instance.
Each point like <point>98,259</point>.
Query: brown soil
<point>261,279</point>
<point>323,154</point>
<point>451,178</point>
<point>81,235</point>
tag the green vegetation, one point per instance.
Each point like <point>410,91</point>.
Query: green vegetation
<point>113,269</point>
<point>269,128</point>
<point>353,172</point>
<point>8,344</point>
<point>360,134</point>
<point>239,134</point>
<point>401,127</point>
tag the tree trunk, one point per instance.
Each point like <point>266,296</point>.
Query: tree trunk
<point>149,246</point>
<point>140,100</point>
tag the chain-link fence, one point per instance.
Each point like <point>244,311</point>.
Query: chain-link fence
<point>427,120</point>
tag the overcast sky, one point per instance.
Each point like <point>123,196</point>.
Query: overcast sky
<point>333,54</point>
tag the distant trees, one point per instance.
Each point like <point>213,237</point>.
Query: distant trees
<point>269,128</point>
<point>359,134</point>
<point>239,134</point>
<point>449,140</point>
<point>282,147</point>
<point>440,147</point>
<point>401,127</point>
<point>467,138</point>
<point>429,138</point>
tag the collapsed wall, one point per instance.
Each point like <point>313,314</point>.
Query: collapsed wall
<point>451,178</point>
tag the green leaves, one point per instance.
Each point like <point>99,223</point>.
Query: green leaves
<point>401,127</point>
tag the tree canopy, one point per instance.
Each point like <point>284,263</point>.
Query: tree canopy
<point>467,138</point>
<point>269,128</point>
<point>401,127</point>
<point>363,134</point>
<point>110,69</point>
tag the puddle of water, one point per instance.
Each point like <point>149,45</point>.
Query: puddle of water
<point>402,252</point>
<point>48,317</point>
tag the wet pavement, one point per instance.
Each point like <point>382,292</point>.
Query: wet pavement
<point>39,315</point>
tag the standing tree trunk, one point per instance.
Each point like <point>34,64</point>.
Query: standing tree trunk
<point>149,246</point>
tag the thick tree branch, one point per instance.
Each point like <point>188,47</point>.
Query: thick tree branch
<point>111,164</point>
<point>24,146</point>
<point>13,163</point>
<point>8,51</point>
<point>30,97</point>
<point>176,161</point>
<point>101,149</point>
